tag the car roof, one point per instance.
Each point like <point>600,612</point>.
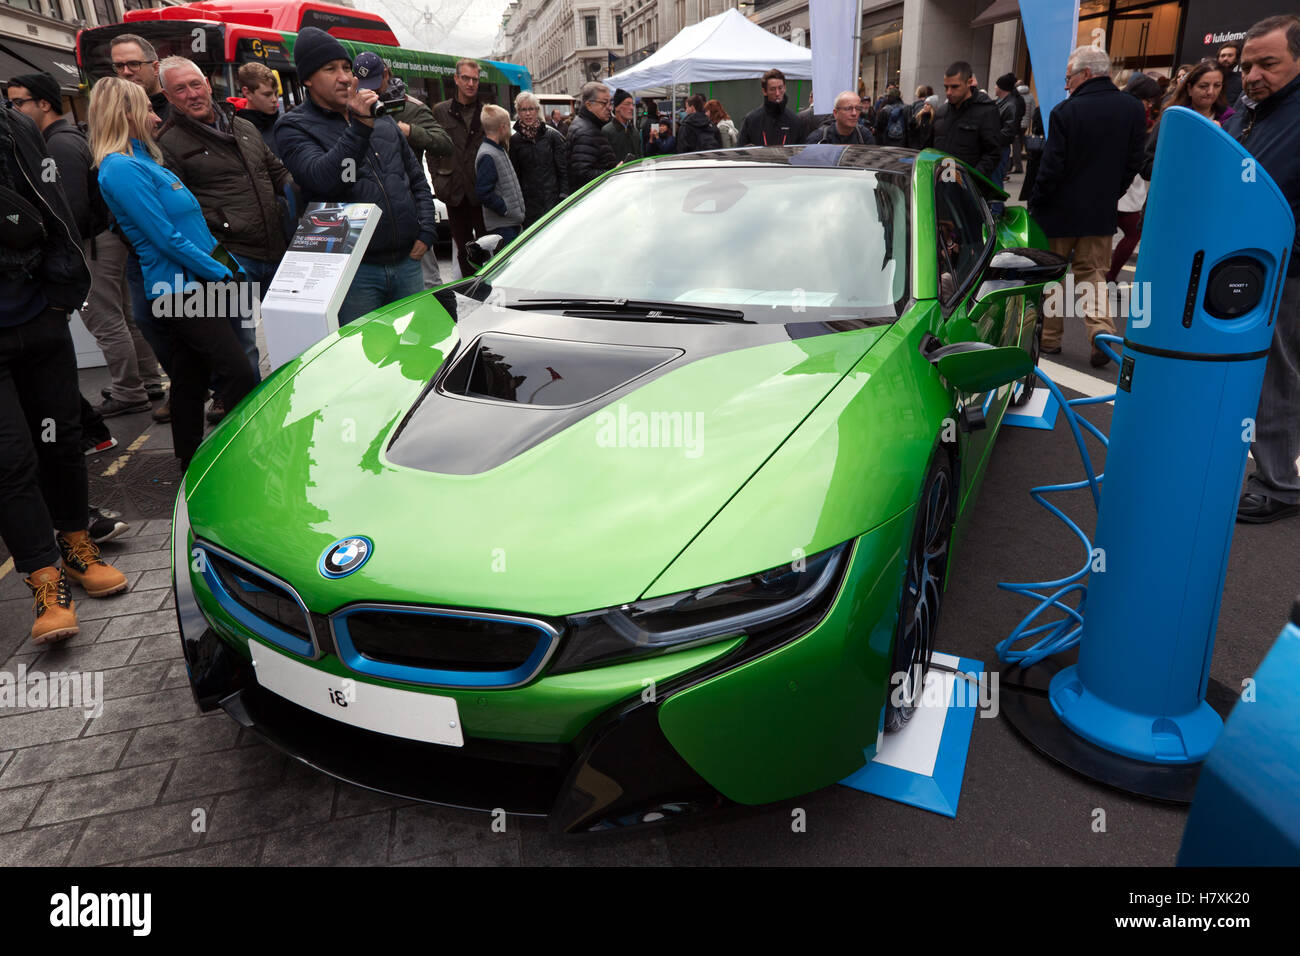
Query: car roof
<point>883,159</point>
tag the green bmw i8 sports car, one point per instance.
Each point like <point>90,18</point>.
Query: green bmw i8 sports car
<point>648,516</point>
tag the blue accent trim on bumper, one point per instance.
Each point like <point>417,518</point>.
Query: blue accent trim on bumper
<point>258,625</point>
<point>358,662</point>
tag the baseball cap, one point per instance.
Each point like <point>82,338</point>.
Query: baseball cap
<point>369,70</point>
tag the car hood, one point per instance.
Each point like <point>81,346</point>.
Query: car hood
<point>562,507</point>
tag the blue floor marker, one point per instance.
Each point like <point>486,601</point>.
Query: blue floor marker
<point>923,764</point>
<point>1039,412</point>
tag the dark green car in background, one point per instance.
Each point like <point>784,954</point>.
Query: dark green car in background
<point>640,520</point>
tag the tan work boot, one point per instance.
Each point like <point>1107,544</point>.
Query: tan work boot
<point>56,614</point>
<point>84,565</point>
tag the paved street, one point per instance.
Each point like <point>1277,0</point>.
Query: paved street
<point>149,781</point>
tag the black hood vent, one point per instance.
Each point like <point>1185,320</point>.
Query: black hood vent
<point>525,370</point>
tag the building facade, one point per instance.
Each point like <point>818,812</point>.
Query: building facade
<point>908,43</point>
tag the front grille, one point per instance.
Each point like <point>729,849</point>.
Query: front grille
<point>440,647</point>
<point>259,603</point>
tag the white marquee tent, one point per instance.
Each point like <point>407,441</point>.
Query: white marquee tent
<point>724,47</point>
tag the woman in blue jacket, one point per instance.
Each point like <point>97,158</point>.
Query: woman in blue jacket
<point>188,290</point>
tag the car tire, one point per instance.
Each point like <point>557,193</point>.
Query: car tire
<point>1030,381</point>
<point>923,587</point>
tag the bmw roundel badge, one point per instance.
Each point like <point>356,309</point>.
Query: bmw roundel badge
<point>345,556</point>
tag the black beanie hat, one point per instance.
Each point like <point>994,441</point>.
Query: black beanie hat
<point>42,86</point>
<point>1007,82</point>
<point>313,49</point>
<point>620,96</point>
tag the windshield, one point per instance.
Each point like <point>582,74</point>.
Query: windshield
<point>778,243</point>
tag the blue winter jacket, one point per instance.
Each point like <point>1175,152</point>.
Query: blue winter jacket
<point>316,144</point>
<point>1270,130</point>
<point>161,219</point>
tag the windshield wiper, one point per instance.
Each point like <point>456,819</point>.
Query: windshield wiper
<point>632,308</point>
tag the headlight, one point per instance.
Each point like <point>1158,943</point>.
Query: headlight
<point>676,621</point>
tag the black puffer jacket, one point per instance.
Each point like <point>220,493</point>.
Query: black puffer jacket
<point>62,272</point>
<point>542,166</point>
<point>589,151</point>
<point>972,132</point>
<point>314,144</point>
<point>696,133</point>
<point>771,125</point>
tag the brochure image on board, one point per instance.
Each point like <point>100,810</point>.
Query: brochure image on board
<point>330,227</point>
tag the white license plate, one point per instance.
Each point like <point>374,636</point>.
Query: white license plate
<point>385,710</point>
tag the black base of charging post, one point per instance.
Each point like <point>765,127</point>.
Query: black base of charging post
<point>1026,706</point>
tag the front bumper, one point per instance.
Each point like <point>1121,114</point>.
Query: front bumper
<point>718,725</point>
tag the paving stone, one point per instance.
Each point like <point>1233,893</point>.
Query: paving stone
<point>148,542</point>
<point>181,739</point>
<point>160,647</point>
<point>16,806</point>
<point>224,770</point>
<point>157,525</point>
<point>233,853</point>
<point>101,793</point>
<point>157,578</point>
<point>692,847</point>
<point>136,601</point>
<point>134,679</point>
<point>635,849</point>
<point>82,658</point>
<point>354,801</point>
<point>140,833</point>
<point>437,860</point>
<point>4,759</point>
<point>142,710</point>
<point>177,675</point>
<point>356,841</point>
<point>46,846</point>
<point>262,809</point>
<point>502,851</point>
<point>11,586</point>
<point>65,759</point>
<point>88,631</point>
<point>170,601</point>
<point>139,625</point>
<point>41,727</point>
<point>144,560</point>
<point>424,830</point>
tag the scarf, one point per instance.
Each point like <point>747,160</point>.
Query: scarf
<point>530,132</point>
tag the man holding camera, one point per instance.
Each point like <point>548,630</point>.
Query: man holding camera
<point>340,149</point>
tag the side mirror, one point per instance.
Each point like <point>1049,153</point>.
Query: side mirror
<point>481,250</point>
<point>980,367</point>
<point>1028,266</point>
<point>1011,270</point>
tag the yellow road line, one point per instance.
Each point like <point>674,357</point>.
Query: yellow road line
<point>6,568</point>
<point>120,463</point>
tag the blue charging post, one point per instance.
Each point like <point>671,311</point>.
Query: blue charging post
<point>1215,240</point>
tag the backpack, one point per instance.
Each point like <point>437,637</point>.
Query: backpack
<point>896,131</point>
<point>100,218</point>
<point>709,138</point>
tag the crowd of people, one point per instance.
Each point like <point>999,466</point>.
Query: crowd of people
<point>170,192</point>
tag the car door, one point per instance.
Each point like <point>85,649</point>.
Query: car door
<point>965,234</point>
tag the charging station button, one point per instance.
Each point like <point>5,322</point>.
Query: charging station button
<point>1235,287</point>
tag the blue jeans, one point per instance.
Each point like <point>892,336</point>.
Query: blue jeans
<point>260,274</point>
<point>1004,161</point>
<point>375,285</point>
<point>507,233</point>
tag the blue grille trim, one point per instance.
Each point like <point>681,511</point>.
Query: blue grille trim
<point>548,638</point>
<point>266,629</point>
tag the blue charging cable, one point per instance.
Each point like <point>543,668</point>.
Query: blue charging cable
<point>1054,637</point>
